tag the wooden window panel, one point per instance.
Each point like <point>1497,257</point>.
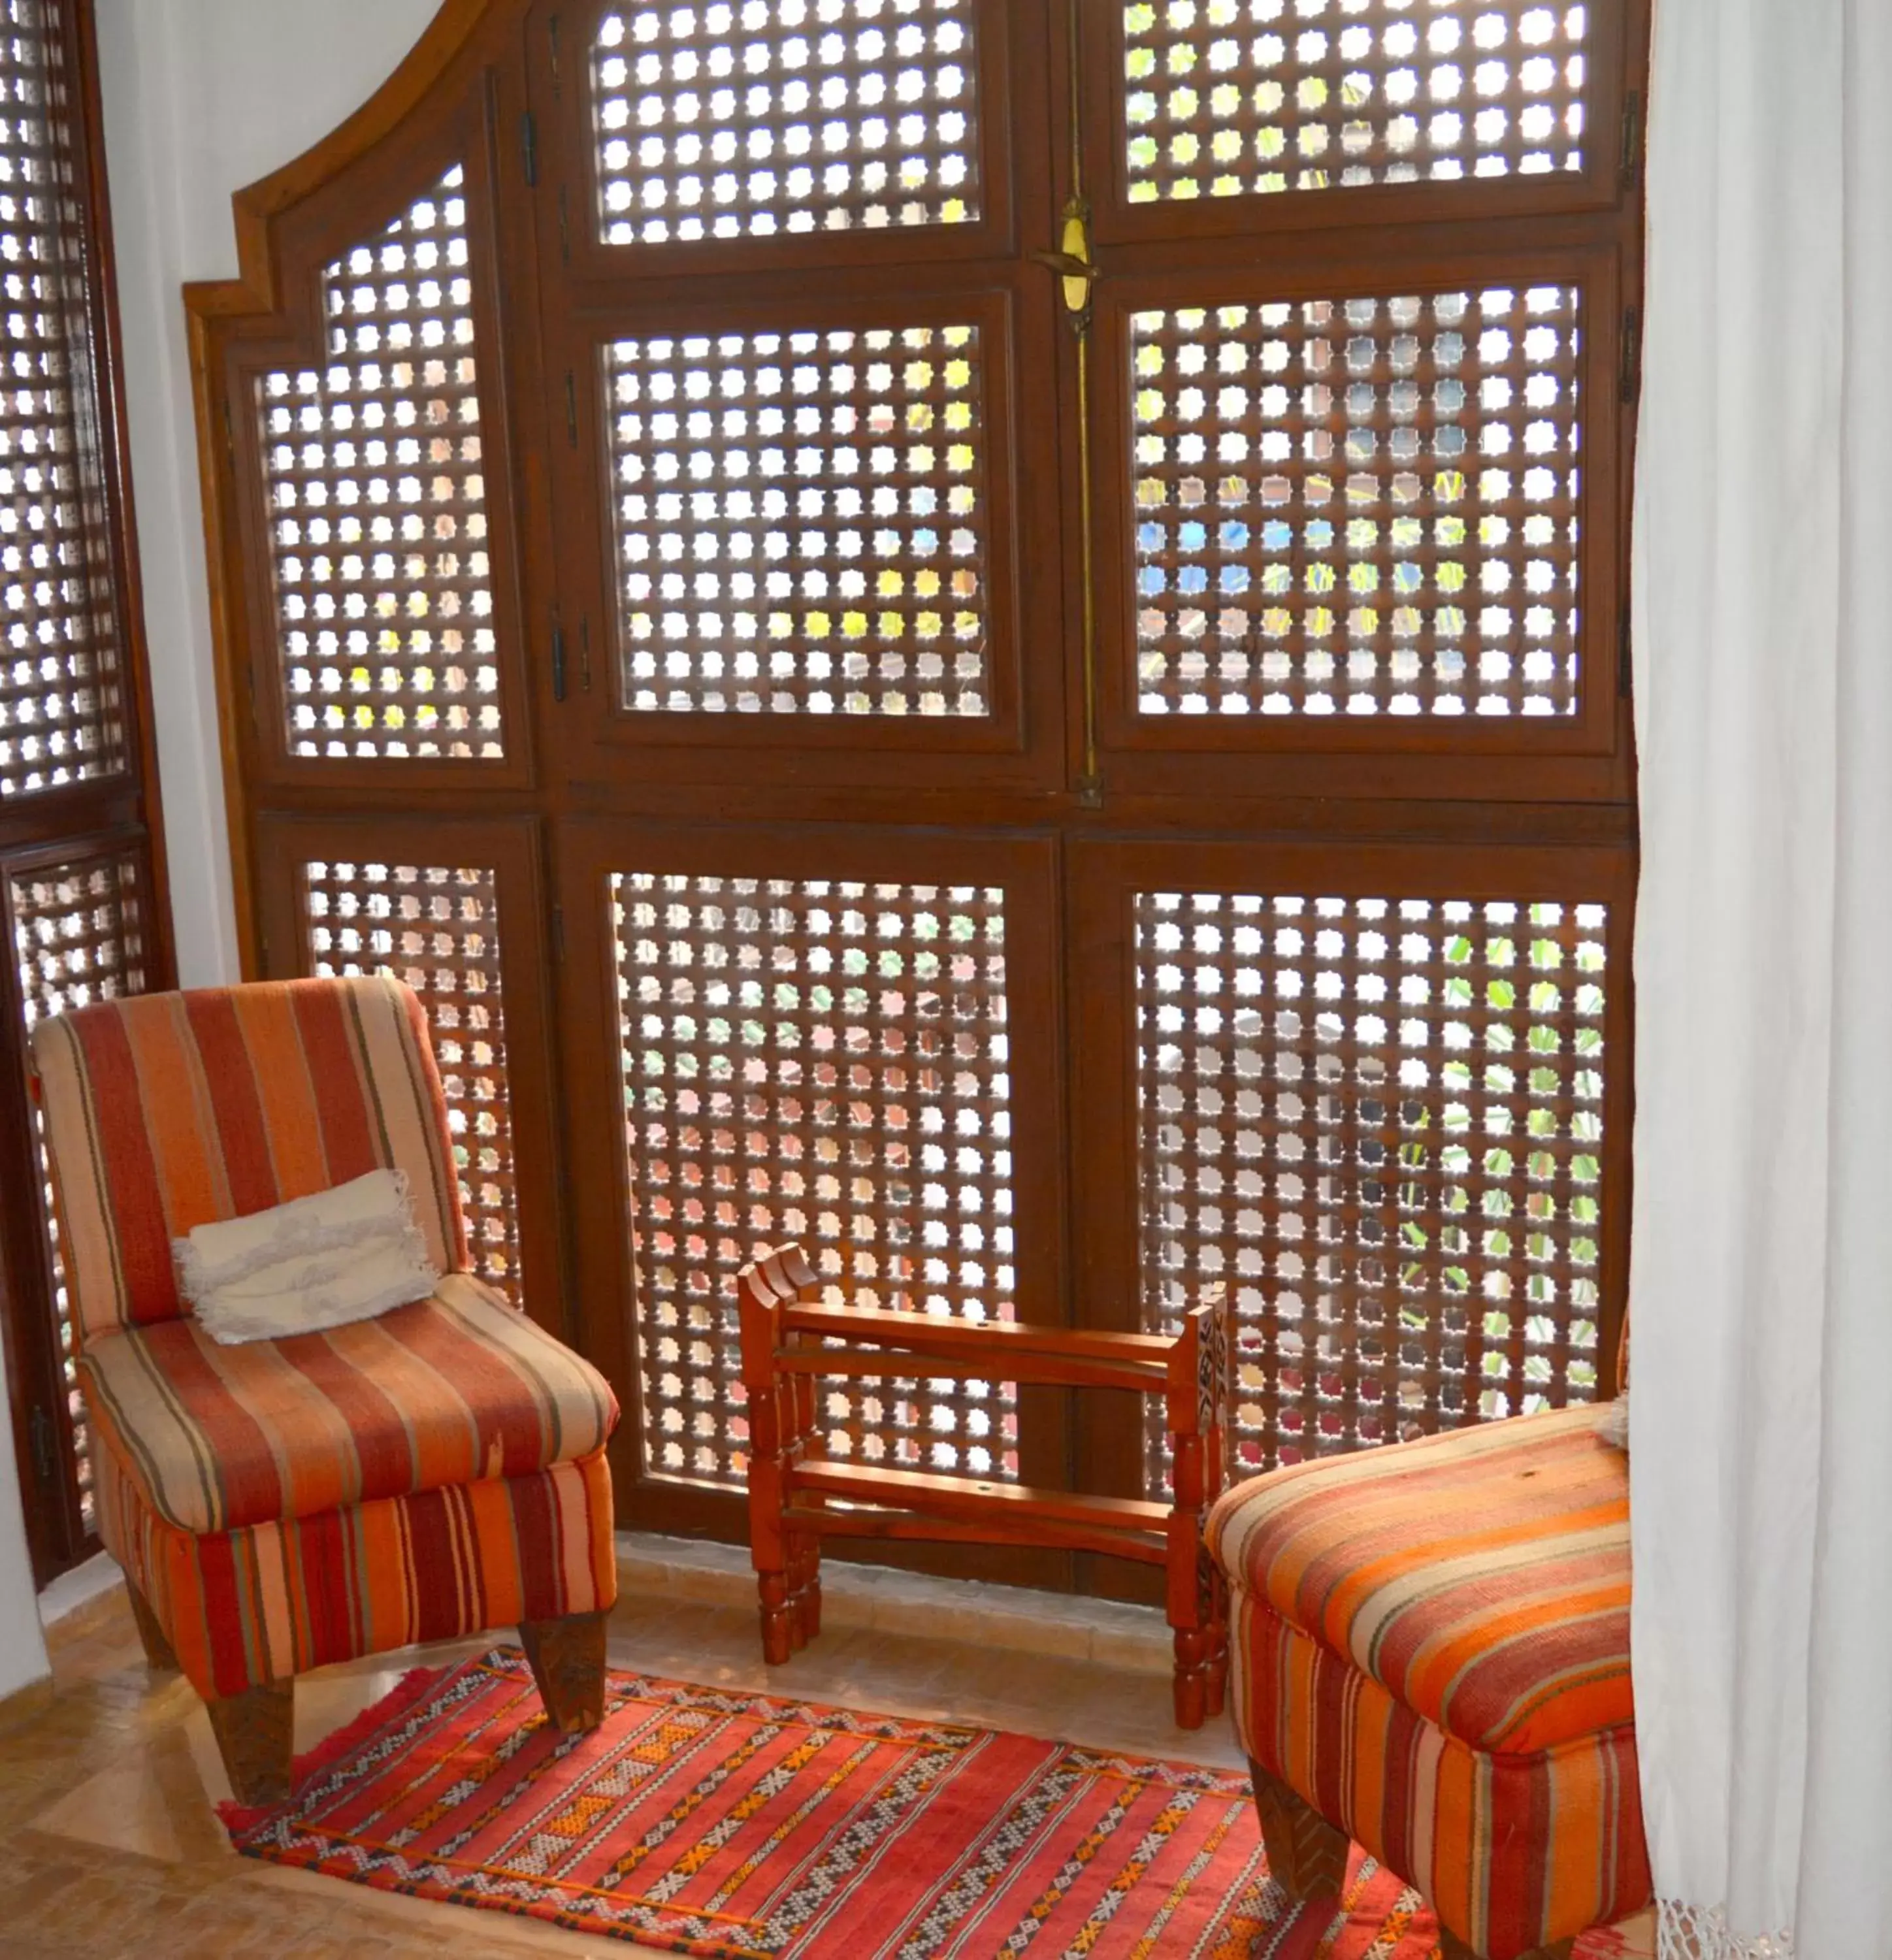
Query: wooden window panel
<point>1376,543</point>
<point>824,1061</point>
<point>1360,507</point>
<point>1380,1094</point>
<point>62,715</point>
<point>374,471</point>
<point>767,119</point>
<point>81,891</point>
<point>802,522</point>
<point>436,927</point>
<point>79,936</point>
<point>450,908</point>
<point>675,758</point>
<point>1242,98</point>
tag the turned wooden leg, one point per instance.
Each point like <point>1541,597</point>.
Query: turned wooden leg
<point>1219,1650</point>
<point>158,1653</point>
<point>567,1663</point>
<point>1450,1947</point>
<point>255,1737</point>
<point>1191,1686</point>
<point>1306,1853</point>
<point>778,1624</point>
<point>804,1588</point>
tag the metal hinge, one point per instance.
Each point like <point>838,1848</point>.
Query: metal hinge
<point>529,147</point>
<point>1625,656</point>
<point>1630,165</point>
<point>551,35</point>
<point>45,1455</point>
<point>571,408</point>
<point>1632,379</point>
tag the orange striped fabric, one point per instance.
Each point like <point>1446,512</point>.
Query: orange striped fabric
<point>243,1097</point>
<point>281,1505</point>
<point>1481,1577</point>
<point>445,1391</point>
<point>1514,1852</point>
<point>244,1607</point>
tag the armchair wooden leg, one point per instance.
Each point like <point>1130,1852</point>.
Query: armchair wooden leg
<point>567,1663</point>
<point>1307,1853</point>
<point>255,1737</point>
<point>158,1654</point>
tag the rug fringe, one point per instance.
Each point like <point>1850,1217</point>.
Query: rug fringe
<point>413,1686</point>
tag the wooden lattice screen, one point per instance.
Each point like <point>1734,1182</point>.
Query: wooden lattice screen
<point>822,1064</point>
<point>801,529</point>
<point>437,928</point>
<point>1228,98</point>
<point>1380,1122</point>
<point>851,116</point>
<point>1360,507</point>
<point>82,902</point>
<point>78,936</point>
<point>376,472</point>
<point>937,595</point>
<point>62,717</point>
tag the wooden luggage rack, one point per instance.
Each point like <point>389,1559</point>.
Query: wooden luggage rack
<point>790,1339</point>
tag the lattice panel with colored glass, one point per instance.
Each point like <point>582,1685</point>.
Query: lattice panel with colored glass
<point>1235,98</point>
<point>764,119</point>
<point>1363,506</point>
<point>374,466</point>
<point>1379,1122</point>
<point>826,1063</point>
<point>78,937</point>
<point>802,522</point>
<point>61,711</point>
<point>437,928</point>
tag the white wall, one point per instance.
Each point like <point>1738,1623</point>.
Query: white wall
<point>202,96</point>
<point>22,1646</point>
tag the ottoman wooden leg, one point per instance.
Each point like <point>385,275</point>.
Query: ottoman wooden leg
<point>1450,1947</point>
<point>157,1649</point>
<point>1305,1852</point>
<point>255,1737</point>
<point>567,1663</point>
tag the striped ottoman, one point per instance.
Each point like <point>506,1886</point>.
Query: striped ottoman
<point>1431,1657</point>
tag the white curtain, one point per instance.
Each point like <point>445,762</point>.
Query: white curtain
<point>1761,1466</point>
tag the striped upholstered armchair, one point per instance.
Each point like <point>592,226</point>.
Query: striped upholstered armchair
<point>1430,1657</point>
<point>280,1505</point>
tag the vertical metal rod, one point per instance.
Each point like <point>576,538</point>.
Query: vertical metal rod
<point>1075,243</point>
<point>1090,786</point>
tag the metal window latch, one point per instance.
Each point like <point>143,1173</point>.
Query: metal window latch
<point>558,663</point>
<point>1077,270</point>
<point>45,1455</point>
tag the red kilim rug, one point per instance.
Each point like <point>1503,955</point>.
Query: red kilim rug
<point>747,1828</point>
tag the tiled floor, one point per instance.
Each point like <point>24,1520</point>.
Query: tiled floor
<point>113,1848</point>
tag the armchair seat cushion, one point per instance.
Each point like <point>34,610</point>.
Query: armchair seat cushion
<point>1481,1577</point>
<point>453,1389</point>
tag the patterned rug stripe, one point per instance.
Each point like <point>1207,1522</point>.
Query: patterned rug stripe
<point>734,1826</point>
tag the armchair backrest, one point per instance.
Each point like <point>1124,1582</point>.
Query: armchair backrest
<point>169,1111</point>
